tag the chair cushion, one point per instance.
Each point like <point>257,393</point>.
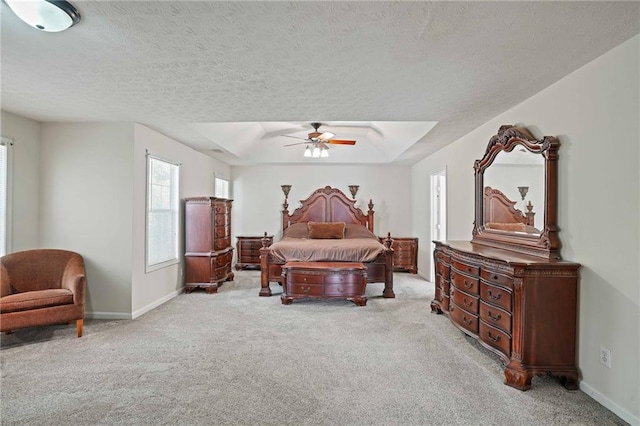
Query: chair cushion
<point>35,300</point>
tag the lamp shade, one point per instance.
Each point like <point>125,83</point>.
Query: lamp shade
<point>45,15</point>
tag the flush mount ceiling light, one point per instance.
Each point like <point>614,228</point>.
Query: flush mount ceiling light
<point>45,15</point>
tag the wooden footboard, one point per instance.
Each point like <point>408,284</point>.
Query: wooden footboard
<point>379,270</point>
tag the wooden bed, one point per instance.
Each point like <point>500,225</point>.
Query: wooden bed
<point>328,205</point>
<point>500,213</point>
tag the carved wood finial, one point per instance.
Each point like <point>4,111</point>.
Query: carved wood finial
<point>388,241</point>
<point>265,240</point>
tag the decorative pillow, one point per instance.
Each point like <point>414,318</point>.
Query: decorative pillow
<point>326,230</point>
<point>354,230</point>
<point>506,226</point>
<point>296,230</point>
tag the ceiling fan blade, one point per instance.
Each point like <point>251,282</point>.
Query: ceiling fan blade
<point>341,142</point>
<point>295,137</point>
<point>326,136</point>
<point>297,143</point>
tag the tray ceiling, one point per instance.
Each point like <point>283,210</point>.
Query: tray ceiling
<point>220,76</point>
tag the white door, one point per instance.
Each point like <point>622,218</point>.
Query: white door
<point>438,212</point>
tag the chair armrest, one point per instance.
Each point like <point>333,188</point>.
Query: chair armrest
<point>75,280</point>
<point>5,282</point>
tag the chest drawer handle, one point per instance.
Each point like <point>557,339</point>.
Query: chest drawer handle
<point>469,269</point>
<point>494,297</point>
<point>466,284</point>
<point>495,318</point>
<point>306,290</point>
<point>495,339</point>
<point>495,277</point>
<point>467,321</point>
<point>469,304</point>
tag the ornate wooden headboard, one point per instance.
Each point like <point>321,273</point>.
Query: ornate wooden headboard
<point>500,209</point>
<point>327,205</point>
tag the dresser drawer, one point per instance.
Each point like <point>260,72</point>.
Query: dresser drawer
<point>344,289</point>
<point>302,278</point>
<point>495,317</point>
<point>467,301</point>
<point>222,231</point>
<point>464,282</point>
<point>496,338</point>
<point>496,278</point>
<point>222,272</point>
<point>223,219</point>
<point>463,318</point>
<point>467,268</point>
<point>221,208</point>
<point>221,243</point>
<point>222,259</point>
<point>443,270</point>
<point>498,296</point>
<point>305,289</point>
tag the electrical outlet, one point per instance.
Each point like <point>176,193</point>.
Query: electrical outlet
<point>605,356</point>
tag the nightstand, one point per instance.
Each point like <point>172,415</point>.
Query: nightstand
<point>248,251</point>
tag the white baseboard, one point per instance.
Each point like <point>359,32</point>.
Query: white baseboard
<point>108,315</point>
<point>133,315</point>
<point>155,304</point>
<point>609,404</point>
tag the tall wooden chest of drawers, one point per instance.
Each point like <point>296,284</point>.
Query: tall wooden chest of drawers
<point>208,250</point>
<point>248,251</point>
<point>405,254</point>
<point>521,307</point>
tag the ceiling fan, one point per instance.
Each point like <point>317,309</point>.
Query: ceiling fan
<point>319,142</point>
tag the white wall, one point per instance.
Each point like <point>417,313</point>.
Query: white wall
<point>258,197</point>
<point>25,193</point>
<point>594,113</point>
<point>196,179</point>
<point>86,203</point>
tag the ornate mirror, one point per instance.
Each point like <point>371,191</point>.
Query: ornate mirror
<point>516,194</point>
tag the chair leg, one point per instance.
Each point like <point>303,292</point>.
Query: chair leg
<point>79,327</point>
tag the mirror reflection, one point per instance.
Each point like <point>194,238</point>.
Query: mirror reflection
<point>515,192</point>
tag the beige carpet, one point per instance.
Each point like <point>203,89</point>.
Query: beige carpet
<point>238,359</point>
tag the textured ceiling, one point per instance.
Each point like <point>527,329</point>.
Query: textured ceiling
<point>184,68</point>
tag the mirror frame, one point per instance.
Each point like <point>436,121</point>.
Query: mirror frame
<point>547,243</point>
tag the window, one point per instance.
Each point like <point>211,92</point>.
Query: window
<point>162,213</point>
<point>222,188</point>
<point>5,192</point>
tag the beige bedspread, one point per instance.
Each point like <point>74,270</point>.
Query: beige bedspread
<point>332,250</point>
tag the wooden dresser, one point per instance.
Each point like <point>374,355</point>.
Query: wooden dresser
<point>405,254</point>
<point>208,250</point>
<point>521,307</point>
<point>248,251</point>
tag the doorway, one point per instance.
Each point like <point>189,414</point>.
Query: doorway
<point>438,213</point>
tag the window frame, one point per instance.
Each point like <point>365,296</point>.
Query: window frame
<point>174,210</point>
<point>227,185</point>
<point>6,246</point>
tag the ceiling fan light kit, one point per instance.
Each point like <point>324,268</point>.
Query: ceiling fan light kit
<point>316,142</point>
<point>45,15</point>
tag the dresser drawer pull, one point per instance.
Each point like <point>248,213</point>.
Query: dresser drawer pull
<point>467,285</point>
<point>494,297</point>
<point>495,339</point>
<point>495,318</point>
<point>469,304</point>
<point>306,290</point>
<point>468,321</point>
<point>469,270</point>
<point>495,277</point>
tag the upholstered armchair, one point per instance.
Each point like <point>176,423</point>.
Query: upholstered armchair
<point>41,287</point>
